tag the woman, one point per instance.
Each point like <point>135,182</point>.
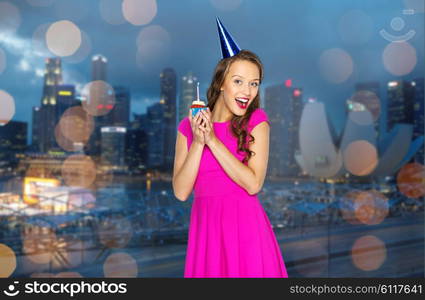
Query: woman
<point>222,154</point>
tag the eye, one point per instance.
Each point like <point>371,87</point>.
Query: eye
<point>255,84</point>
<point>238,81</point>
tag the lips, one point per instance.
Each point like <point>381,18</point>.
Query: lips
<point>242,102</point>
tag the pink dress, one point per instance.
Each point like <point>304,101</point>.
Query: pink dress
<point>230,234</point>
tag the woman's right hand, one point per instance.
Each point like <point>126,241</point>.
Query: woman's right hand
<point>195,123</point>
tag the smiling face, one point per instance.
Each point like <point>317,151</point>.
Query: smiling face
<point>240,86</point>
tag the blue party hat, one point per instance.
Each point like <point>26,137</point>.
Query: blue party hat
<point>228,45</point>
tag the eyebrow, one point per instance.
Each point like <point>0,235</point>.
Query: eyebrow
<point>244,77</point>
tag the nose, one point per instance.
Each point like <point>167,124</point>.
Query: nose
<point>246,90</point>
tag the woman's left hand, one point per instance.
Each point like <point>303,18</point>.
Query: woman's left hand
<point>207,126</point>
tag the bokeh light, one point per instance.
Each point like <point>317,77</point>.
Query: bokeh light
<point>120,265</point>
<point>99,98</point>
<point>399,58</point>
<point>76,125</point>
<point>66,144</point>
<point>111,11</point>
<point>79,170</point>
<point>336,65</point>
<point>10,18</point>
<point>83,51</point>
<point>411,180</point>
<point>226,5</point>
<point>63,38</point>
<point>347,207</point>
<point>358,34</point>
<point>370,101</point>
<point>362,116</point>
<point>139,12</point>
<point>360,158</point>
<point>2,61</point>
<point>371,207</point>
<point>42,3</point>
<point>368,253</point>
<point>153,44</point>
<point>7,104</point>
<point>7,261</point>
<point>115,232</point>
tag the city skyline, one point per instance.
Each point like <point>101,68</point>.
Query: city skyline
<point>281,62</point>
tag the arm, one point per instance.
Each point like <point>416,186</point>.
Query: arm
<point>250,177</point>
<point>186,166</point>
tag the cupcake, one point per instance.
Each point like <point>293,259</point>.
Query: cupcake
<point>198,104</point>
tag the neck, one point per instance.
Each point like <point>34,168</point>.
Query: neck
<point>221,113</point>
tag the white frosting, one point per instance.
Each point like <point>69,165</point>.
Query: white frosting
<point>198,102</point>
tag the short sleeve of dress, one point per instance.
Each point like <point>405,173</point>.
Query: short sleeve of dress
<point>184,127</point>
<point>257,117</point>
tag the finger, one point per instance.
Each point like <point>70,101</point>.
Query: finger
<point>205,114</point>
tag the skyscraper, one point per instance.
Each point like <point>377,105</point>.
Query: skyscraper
<point>168,87</point>
<point>120,114</point>
<point>48,116</point>
<point>400,103</point>
<point>99,64</point>
<point>113,147</point>
<point>65,99</point>
<point>156,135</point>
<point>13,142</point>
<point>99,72</point>
<point>187,94</point>
<point>283,105</point>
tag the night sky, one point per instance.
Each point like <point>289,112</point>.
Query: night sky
<point>289,36</point>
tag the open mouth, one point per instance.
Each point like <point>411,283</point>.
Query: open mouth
<point>242,102</point>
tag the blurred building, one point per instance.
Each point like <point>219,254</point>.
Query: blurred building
<point>168,86</point>
<point>13,143</point>
<point>156,135</point>
<point>113,147</point>
<point>401,97</point>
<point>187,94</point>
<point>47,114</point>
<point>137,144</point>
<point>99,67</point>
<point>136,150</point>
<point>367,96</point>
<point>283,105</point>
<point>65,99</point>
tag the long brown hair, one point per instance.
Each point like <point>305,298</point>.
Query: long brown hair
<point>238,123</point>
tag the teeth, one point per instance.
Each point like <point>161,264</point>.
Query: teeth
<point>242,100</point>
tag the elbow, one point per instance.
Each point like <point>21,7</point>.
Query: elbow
<point>178,194</point>
<point>255,189</point>
<point>180,197</point>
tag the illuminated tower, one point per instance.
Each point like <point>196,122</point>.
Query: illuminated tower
<point>99,64</point>
<point>47,113</point>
